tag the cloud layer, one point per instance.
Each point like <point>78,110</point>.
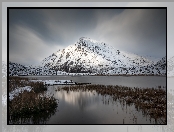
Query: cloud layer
<point>36,33</point>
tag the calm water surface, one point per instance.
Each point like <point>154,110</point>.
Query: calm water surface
<point>86,107</point>
<point>131,81</point>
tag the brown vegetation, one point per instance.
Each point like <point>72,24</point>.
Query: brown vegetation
<point>152,101</point>
<point>16,82</point>
<point>30,104</point>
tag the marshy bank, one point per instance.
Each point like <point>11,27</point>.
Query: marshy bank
<point>28,103</point>
<point>92,104</point>
<point>151,101</point>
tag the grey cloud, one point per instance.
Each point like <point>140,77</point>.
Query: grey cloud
<point>31,18</point>
<point>141,31</point>
<point>27,48</point>
<point>136,31</point>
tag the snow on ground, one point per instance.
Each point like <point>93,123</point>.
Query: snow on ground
<point>19,90</point>
<point>54,82</point>
<point>15,93</point>
<point>29,88</point>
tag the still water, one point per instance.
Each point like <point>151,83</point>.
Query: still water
<point>131,81</point>
<point>86,107</point>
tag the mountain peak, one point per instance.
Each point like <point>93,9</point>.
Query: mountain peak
<point>89,41</point>
<point>91,56</point>
<point>83,38</point>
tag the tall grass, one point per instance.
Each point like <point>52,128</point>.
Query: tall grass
<point>151,101</point>
<point>30,104</point>
<point>16,82</point>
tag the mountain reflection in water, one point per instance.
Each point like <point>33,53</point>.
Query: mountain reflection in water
<point>84,106</point>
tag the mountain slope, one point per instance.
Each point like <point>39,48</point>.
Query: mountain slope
<point>93,57</point>
<point>90,54</point>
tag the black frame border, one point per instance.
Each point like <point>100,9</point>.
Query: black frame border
<point>8,8</point>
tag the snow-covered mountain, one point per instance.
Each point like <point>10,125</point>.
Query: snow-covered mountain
<point>88,55</point>
<point>91,56</point>
<point>87,52</point>
<point>18,69</point>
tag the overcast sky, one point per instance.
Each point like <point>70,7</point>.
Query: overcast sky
<point>36,33</point>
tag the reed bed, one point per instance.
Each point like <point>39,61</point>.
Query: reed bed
<point>152,101</point>
<point>16,82</point>
<point>30,104</point>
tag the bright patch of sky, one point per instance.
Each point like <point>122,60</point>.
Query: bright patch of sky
<point>34,34</point>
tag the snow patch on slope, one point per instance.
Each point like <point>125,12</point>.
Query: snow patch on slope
<point>89,56</point>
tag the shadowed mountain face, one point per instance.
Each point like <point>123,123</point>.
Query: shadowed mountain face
<point>91,56</point>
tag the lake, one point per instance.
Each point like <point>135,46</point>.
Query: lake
<point>89,107</point>
<point>85,107</point>
<point>130,81</point>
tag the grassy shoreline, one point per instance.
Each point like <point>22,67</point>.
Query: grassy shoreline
<point>29,104</point>
<point>150,101</point>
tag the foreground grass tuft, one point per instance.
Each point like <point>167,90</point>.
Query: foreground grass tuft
<point>15,82</point>
<point>33,105</point>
